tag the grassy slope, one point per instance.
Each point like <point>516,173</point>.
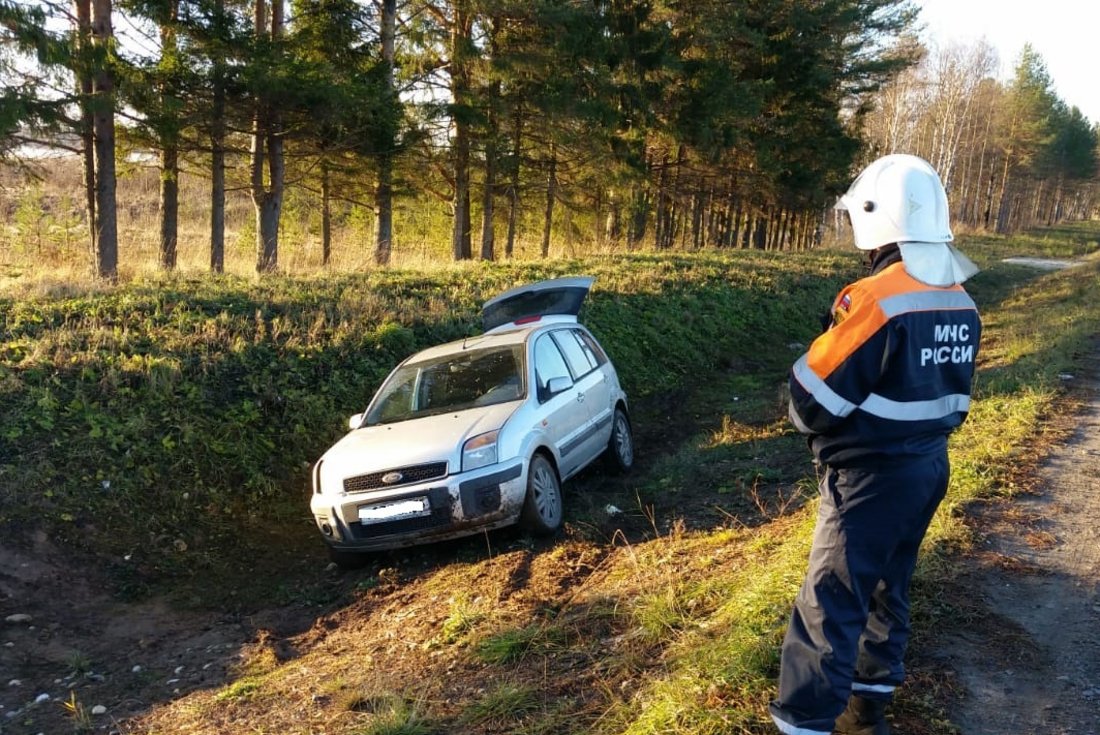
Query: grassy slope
<point>676,634</point>
<point>164,418</point>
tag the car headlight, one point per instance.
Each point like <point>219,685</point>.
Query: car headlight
<point>480,451</point>
<point>317,477</point>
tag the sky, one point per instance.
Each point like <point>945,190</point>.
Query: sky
<point>1063,32</point>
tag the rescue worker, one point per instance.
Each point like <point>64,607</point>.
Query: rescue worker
<point>877,394</point>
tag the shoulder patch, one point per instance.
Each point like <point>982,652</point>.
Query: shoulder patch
<point>840,313</point>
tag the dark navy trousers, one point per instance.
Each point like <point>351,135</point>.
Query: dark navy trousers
<point>850,622</point>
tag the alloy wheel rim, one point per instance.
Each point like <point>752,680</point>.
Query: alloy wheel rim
<point>623,445</point>
<point>546,495</point>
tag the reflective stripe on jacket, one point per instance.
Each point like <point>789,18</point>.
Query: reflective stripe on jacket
<point>891,376</point>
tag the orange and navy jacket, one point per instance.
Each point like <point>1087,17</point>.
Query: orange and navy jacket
<point>890,378</point>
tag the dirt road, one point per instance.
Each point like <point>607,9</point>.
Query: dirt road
<point>1032,663</point>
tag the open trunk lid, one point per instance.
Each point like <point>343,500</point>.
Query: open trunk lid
<point>557,297</point>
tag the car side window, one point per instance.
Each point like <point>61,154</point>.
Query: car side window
<point>592,346</point>
<point>580,362</point>
<point>549,364</point>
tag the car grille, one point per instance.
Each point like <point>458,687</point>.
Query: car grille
<point>409,476</point>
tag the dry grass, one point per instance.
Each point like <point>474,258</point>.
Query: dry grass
<point>43,238</point>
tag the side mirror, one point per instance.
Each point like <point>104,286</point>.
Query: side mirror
<point>557,385</point>
<point>355,422</point>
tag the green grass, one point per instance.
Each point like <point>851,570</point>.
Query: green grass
<point>506,703</point>
<point>240,689</point>
<point>461,620</point>
<point>393,715</point>
<point>516,644</point>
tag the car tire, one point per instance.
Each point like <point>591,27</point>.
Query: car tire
<point>348,559</point>
<point>542,506</point>
<point>620,447</point>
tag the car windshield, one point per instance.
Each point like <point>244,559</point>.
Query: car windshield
<point>455,382</point>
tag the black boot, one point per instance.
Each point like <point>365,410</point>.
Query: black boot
<point>863,717</point>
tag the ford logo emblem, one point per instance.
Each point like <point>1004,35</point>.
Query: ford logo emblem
<point>392,478</point>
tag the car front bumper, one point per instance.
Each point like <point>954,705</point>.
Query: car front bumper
<point>447,507</point>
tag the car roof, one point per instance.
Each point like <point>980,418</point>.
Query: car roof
<point>510,334</point>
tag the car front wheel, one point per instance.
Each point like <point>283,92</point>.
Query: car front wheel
<point>542,508</point>
<point>620,447</point>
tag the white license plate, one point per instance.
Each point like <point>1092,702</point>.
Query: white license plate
<point>394,510</point>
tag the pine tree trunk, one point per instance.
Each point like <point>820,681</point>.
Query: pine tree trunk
<point>487,212</point>
<point>268,212</point>
<point>383,211</point>
<point>613,225</point>
<point>461,236</point>
<point>599,218</point>
<point>639,215</point>
<point>460,91</point>
<point>981,216</point>
<point>751,229</point>
<point>217,148</point>
<point>659,222</point>
<point>383,195</point>
<point>1055,212</point>
<point>169,206</point>
<point>697,220</point>
<point>169,155</point>
<point>1003,207</point>
<point>513,186</point>
<point>783,229</point>
<point>551,195</point>
<point>271,206</point>
<point>725,225</point>
<point>1002,202</point>
<point>217,162</point>
<point>267,148</point>
<point>326,214</point>
<point>487,209</point>
<point>83,12</point>
<point>103,127</point>
<point>988,213</point>
<point>675,213</point>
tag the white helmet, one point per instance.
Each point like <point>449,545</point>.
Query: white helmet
<point>898,198</point>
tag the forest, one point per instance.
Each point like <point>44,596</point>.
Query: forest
<point>492,127</point>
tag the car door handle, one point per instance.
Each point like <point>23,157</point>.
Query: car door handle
<point>580,398</point>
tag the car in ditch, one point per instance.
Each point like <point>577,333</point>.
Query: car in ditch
<point>479,433</point>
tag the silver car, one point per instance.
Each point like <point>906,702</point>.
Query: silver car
<point>479,433</point>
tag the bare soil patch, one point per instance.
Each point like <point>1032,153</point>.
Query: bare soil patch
<point>67,646</point>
